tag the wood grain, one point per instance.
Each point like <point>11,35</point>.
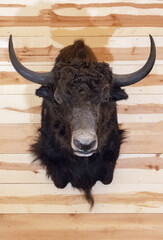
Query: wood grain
<point>14,173</point>
<point>80,31</point>
<point>111,4</point>
<point>48,18</point>
<point>81,226</point>
<point>16,138</point>
<point>11,5</point>
<point>113,198</point>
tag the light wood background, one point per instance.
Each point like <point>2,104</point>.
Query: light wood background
<point>30,206</point>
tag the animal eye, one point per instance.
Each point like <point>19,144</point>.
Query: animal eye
<point>58,99</point>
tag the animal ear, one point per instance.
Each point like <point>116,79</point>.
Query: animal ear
<point>45,92</point>
<point>117,94</point>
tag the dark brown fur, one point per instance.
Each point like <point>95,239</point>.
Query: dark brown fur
<point>79,81</point>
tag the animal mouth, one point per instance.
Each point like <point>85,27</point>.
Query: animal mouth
<point>84,154</point>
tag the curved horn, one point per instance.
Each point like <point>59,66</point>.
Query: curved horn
<point>40,78</point>
<point>128,79</point>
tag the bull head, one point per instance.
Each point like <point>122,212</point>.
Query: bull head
<point>84,140</point>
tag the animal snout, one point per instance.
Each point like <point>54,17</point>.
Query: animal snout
<point>84,143</point>
<point>84,146</point>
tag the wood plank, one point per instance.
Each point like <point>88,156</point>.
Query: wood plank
<point>16,138</point>
<point>109,4</point>
<point>88,1</point>
<point>48,54</point>
<point>83,9</point>
<point>22,10</point>
<point>99,41</point>
<point>138,118</point>
<point>81,226</point>
<point>104,10</point>
<point>48,18</point>
<point>96,226</point>
<point>139,168</point>
<point>139,161</point>
<point>13,173</point>
<point>141,137</point>
<point>112,5</point>
<point>140,108</point>
<point>80,31</point>
<point>14,1</point>
<point>11,5</point>
<point>20,109</point>
<point>13,115</point>
<point>115,198</point>
<point>92,31</point>
<point>74,12</point>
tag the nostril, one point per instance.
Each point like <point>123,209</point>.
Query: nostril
<point>84,146</point>
<point>92,144</point>
<point>77,143</point>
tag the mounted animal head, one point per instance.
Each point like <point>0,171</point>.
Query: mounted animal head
<point>80,94</point>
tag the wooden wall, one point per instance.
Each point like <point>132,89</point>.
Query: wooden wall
<point>30,205</point>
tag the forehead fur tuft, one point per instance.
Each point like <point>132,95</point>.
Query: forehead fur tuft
<point>82,79</point>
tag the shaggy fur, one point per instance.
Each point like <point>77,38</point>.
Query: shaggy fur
<point>79,80</point>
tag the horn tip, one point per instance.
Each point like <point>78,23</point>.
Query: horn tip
<point>151,38</point>
<point>10,42</point>
<point>10,38</point>
<point>153,47</point>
